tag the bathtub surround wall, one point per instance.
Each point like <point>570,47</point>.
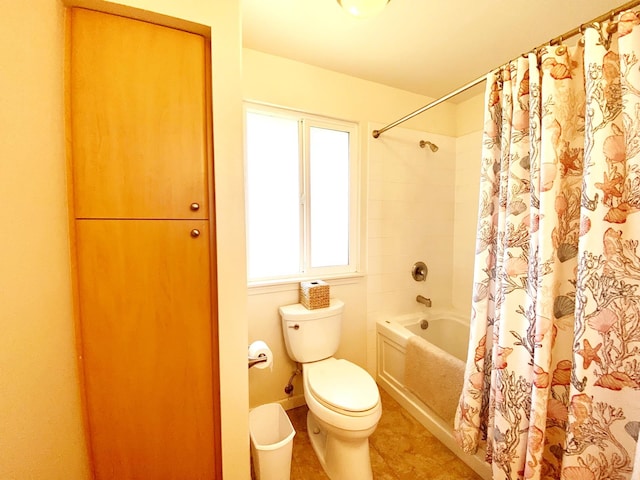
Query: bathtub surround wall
<point>410,218</point>
<point>422,206</point>
<point>467,186</point>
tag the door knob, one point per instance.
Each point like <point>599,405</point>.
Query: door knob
<point>195,233</point>
<point>194,207</point>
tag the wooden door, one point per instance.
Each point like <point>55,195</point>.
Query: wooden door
<point>139,128</point>
<point>138,124</point>
<point>144,298</point>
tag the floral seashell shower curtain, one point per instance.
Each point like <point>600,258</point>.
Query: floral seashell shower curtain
<point>552,382</point>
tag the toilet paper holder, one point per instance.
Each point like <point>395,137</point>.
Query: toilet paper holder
<point>259,355</point>
<point>256,360</point>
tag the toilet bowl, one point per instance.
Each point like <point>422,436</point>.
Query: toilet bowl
<point>344,410</point>
<point>343,399</point>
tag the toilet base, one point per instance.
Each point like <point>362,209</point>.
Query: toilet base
<point>344,456</point>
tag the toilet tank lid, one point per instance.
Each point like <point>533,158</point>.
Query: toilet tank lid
<point>300,313</point>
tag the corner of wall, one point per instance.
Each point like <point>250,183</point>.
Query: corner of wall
<point>469,115</point>
<point>40,408</point>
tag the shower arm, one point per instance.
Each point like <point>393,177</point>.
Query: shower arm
<point>426,143</point>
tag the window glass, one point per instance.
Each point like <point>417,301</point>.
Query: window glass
<point>273,195</point>
<point>300,195</point>
<point>329,197</point>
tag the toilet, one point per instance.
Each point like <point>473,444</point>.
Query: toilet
<point>343,399</point>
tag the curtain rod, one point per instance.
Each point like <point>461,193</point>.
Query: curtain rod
<point>557,40</point>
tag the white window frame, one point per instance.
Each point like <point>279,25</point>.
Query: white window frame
<point>306,121</point>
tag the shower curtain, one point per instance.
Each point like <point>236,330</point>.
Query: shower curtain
<point>552,381</point>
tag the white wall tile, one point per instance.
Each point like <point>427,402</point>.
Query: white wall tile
<point>469,153</point>
<point>422,207</point>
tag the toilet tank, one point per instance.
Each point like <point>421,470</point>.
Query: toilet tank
<point>311,335</point>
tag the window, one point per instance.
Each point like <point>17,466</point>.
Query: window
<point>301,195</point>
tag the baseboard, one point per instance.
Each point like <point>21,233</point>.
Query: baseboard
<point>293,401</point>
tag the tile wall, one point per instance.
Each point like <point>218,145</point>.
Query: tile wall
<point>422,206</point>
<point>468,155</point>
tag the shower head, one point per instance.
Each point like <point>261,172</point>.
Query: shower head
<point>432,146</point>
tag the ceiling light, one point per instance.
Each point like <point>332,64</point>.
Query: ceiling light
<point>363,8</point>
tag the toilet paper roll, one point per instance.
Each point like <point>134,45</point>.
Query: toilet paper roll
<point>258,348</point>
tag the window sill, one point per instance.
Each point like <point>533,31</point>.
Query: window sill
<point>290,284</point>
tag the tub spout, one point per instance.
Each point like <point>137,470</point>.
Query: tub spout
<point>425,301</point>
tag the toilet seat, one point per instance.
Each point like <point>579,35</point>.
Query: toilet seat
<point>342,386</point>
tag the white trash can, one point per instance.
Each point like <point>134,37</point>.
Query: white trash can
<point>271,435</point>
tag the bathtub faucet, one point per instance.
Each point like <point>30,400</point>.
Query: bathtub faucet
<point>425,301</point>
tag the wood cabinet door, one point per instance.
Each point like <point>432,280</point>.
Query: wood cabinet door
<point>146,347</point>
<point>138,119</point>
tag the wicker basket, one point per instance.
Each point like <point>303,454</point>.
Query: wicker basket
<point>314,294</point>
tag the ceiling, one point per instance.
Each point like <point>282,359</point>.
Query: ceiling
<point>430,47</point>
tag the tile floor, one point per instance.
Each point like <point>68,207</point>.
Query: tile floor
<point>401,448</point>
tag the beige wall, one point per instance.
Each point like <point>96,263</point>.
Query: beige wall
<point>469,114</point>
<point>286,83</point>
<point>283,82</point>
<point>40,421</point>
<point>400,186</point>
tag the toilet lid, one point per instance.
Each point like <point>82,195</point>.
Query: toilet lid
<point>343,385</point>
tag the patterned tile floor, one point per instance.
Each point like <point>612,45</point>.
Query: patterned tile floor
<point>401,448</point>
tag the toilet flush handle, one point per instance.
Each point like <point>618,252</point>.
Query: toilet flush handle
<point>295,327</point>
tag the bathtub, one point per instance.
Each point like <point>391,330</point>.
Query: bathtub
<point>448,332</point>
